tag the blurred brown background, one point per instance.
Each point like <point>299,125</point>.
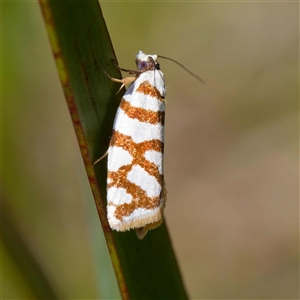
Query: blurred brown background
<point>231,149</point>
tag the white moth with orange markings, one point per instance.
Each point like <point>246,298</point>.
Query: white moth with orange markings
<point>135,184</point>
<point>136,194</point>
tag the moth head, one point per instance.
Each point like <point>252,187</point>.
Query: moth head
<point>145,62</point>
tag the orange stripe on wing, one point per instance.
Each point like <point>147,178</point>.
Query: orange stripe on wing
<point>119,178</point>
<point>141,114</point>
<point>140,198</point>
<point>137,151</point>
<point>148,89</point>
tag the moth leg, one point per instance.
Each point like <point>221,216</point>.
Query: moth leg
<point>99,159</point>
<point>137,72</point>
<point>124,81</point>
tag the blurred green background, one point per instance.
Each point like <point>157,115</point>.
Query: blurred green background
<point>231,150</point>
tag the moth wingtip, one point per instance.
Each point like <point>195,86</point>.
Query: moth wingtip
<point>141,225</point>
<point>142,231</point>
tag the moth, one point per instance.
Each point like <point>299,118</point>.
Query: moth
<point>136,192</point>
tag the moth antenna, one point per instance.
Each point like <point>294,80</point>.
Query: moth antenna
<point>157,69</point>
<point>182,66</point>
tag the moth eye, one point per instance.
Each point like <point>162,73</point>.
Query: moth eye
<point>142,65</point>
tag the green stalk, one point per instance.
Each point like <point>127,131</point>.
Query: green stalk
<point>81,46</point>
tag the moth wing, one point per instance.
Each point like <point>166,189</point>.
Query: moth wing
<point>135,185</point>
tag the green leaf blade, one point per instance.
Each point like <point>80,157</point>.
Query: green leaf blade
<point>81,46</point>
